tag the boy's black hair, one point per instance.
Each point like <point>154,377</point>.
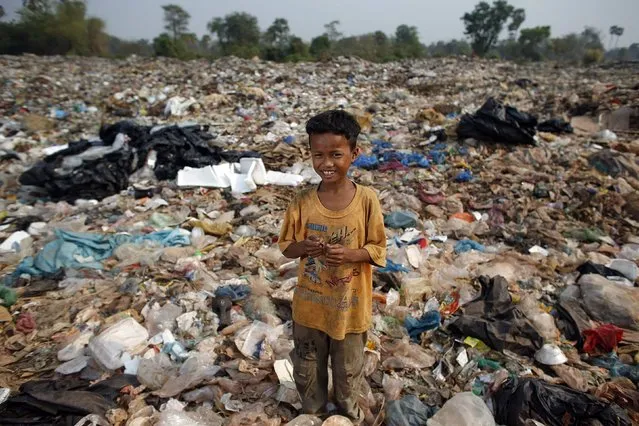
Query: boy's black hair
<point>337,122</point>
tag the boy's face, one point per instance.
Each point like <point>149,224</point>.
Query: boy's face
<point>332,156</point>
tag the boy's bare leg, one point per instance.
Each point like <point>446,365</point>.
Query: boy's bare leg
<point>310,368</point>
<point>347,358</point>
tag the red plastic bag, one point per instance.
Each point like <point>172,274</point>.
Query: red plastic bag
<point>603,339</point>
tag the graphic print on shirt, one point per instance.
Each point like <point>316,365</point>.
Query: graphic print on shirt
<point>314,266</point>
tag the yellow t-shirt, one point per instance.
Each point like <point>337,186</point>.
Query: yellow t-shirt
<point>337,300</point>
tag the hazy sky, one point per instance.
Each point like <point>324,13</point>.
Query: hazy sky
<point>435,19</point>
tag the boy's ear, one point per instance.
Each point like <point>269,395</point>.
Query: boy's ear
<point>356,152</point>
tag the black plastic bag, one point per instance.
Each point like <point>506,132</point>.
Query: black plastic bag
<point>498,123</point>
<point>555,125</point>
<point>64,401</point>
<point>408,411</point>
<point>493,319</point>
<point>176,147</point>
<point>521,399</point>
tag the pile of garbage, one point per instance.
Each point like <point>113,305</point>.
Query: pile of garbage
<point>141,202</point>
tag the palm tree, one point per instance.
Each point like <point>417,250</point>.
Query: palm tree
<point>619,34</point>
<point>615,31</point>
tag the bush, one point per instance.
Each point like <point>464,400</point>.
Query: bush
<point>593,56</point>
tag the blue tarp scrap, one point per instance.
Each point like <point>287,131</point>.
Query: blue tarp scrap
<point>79,250</point>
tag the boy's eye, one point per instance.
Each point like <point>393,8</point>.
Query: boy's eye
<point>337,155</point>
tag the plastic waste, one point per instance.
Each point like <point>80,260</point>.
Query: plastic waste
<point>608,302</point>
<point>628,268</point>
<point>92,420</point>
<point>550,355</point>
<point>466,245</point>
<point>464,176</point>
<point>305,420</point>
<point>519,400</point>
<point>408,411</point>
<point>392,387</point>
<point>367,162</point>
<point>499,123</point>
<point>463,409</point>
<point>162,318</point>
<point>124,336</point>
<point>8,296</point>
<point>155,372</point>
<point>555,125</point>
<point>337,421</point>
<point>397,220</point>
<point>613,364</point>
<point>74,366</point>
<point>607,136</point>
<point>15,242</point>
<point>603,339</point>
<point>406,355</point>
<point>429,321</point>
<point>196,369</point>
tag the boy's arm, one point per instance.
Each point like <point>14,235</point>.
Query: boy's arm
<point>375,245</point>
<point>295,249</point>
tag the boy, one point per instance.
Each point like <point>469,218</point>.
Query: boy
<point>337,229</point>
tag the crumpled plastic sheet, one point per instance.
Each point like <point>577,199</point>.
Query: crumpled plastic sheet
<point>77,250</point>
<point>408,411</point>
<point>493,319</point>
<point>521,399</point>
<point>602,339</point>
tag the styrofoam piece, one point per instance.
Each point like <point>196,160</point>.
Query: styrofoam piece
<point>218,176</point>
<point>50,150</point>
<point>283,179</point>
<point>14,242</point>
<point>254,167</point>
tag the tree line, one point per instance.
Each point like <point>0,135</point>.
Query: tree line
<point>62,27</point>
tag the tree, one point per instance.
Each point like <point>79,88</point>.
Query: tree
<point>332,32</point>
<point>485,23</point>
<point>238,34</point>
<point>298,50</point>
<point>277,40</point>
<point>176,20</point>
<point>321,47</point>
<point>531,41</point>
<point>592,38</point>
<point>97,39</point>
<point>615,31</point>
<point>407,43</point>
<point>2,12</point>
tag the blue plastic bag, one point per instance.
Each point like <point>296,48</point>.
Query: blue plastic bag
<point>415,327</point>
<point>392,267</point>
<point>467,245</point>
<point>366,161</point>
<point>464,176</point>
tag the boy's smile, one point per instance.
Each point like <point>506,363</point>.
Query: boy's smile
<point>332,156</point>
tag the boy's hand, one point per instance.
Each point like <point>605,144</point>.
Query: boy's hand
<point>336,255</point>
<point>313,246</point>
